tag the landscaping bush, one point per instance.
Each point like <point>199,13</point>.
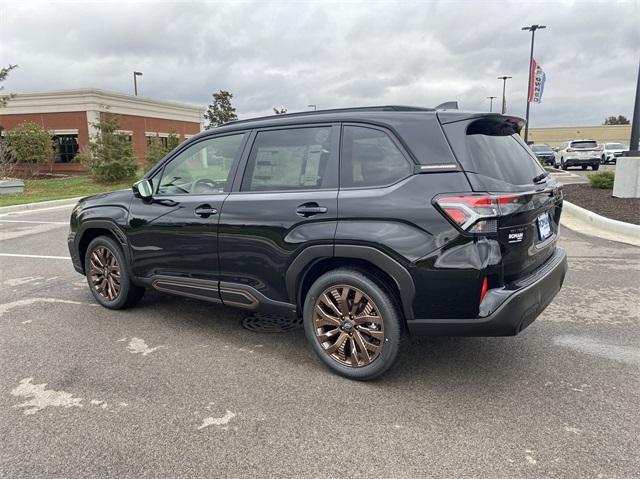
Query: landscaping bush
<point>110,158</point>
<point>157,150</point>
<point>602,180</point>
<point>30,145</point>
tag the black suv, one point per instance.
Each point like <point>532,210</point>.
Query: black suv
<point>369,223</point>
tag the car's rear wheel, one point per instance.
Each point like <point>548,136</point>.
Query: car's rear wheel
<point>603,160</point>
<point>108,275</point>
<point>353,323</point>
<point>562,165</point>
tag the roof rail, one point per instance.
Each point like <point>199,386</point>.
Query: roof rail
<point>336,110</point>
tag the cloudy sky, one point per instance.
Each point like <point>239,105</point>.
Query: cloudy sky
<point>333,54</point>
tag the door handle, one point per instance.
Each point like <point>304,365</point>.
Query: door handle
<point>310,209</point>
<point>205,211</point>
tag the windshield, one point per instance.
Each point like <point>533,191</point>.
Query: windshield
<point>542,148</point>
<point>615,146</point>
<point>584,144</point>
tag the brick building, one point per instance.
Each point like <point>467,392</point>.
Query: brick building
<point>69,114</point>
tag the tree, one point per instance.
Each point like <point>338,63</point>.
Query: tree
<point>4,72</point>
<point>220,111</point>
<point>30,145</point>
<point>619,120</point>
<point>157,150</point>
<point>110,158</point>
<point>279,111</point>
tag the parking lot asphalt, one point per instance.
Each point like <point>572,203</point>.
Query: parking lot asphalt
<point>178,388</point>
<point>578,175</point>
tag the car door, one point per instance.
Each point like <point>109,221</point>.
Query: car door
<point>173,235</point>
<point>284,199</point>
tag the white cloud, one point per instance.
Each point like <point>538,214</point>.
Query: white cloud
<point>332,54</point>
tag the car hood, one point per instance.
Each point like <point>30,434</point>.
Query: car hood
<point>116,198</point>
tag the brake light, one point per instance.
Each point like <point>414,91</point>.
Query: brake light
<point>484,289</point>
<point>478,213</point>
<point>570,150</point>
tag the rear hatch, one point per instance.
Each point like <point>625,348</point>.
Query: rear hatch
<point>497,162</point>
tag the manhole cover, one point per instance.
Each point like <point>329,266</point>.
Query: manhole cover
<point>271,323</point>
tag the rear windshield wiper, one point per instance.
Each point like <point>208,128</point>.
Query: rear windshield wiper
<point>540,177</point>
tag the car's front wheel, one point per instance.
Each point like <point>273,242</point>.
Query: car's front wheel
<point>603,160</point>
<point>108,275</point>
<point>562,165</point>
<point>595,167</point>
<point>353,323</point>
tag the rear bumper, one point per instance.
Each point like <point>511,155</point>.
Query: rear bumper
<point>581,160</point>
<point>517,306</point>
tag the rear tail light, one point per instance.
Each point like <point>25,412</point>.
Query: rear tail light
<point>570,150</point>
<point>484,289</point>
<point>478,213</point>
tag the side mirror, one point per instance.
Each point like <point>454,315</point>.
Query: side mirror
<point>142,189</point>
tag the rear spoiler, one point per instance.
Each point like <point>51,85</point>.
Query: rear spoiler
<point>514,122</point>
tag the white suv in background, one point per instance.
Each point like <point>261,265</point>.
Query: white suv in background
<point>612,151</point>
<point>581,153</point>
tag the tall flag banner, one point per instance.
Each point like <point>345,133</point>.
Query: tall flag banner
<point>538,78</point>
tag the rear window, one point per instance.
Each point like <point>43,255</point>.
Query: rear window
<point>615,146</point>
<point>541,149</point>
<point>584,144</point>
<point>496,151</point>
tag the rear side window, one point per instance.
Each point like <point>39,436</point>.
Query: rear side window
<point>369,158</point>
<point>584,144</point>
<point>292,159</point>
<point>496,151</point>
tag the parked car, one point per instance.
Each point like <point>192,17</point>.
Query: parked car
<point>544,153</point>
<point>583,153</point>
<point>367,223</point>
<point>611,152</point>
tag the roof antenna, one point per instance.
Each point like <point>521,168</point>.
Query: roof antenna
<point>448,105</point>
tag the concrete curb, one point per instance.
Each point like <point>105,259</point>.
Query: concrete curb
<point>590,223</point>
<point>39,205</point>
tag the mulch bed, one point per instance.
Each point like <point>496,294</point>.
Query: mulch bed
<point>603,203</point>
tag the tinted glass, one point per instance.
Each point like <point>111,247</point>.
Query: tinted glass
<point>496,150</point>
<point>203,168</point>
<point>541,148</point>
<point>615,146</point>
<point>294,159</point>
<point>584,144</point>
<point>369,158</point>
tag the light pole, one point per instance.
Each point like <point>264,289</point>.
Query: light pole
<point>635,124</point>
<point>312,106</point>
<point>135,82</point>
<point>531,29</point>
<point>491,98</point>
<point>504,89</point>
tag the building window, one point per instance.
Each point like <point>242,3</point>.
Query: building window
<point>66,148</point>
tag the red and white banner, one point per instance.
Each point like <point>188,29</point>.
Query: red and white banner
<point>538,78</point>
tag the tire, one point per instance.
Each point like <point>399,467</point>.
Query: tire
<point>385,331</point>
<point>110,253</point>
<point>584,167</point>
<point>595,167</point>
<point>562,165</point>
<point>603,160</point>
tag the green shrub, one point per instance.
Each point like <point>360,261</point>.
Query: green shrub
<point>30,145</point>
<point>110,158</point>
<point>157,150</point>
<point>602,180</point>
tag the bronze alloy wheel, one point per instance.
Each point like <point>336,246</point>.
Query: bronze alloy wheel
<point>348,326</point>
<point>104,271</point>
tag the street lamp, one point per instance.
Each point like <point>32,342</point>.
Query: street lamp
<point>504,88</point>
<point>490,98</point>
<point>531,29</point>
<point>135,81</point>
<point>312,106</point>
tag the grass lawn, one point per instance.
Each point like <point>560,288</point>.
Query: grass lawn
<point>59,188</point>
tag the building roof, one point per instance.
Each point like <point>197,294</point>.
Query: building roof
<point>94,99</point>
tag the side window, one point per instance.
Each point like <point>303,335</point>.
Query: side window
<point>201,169</point>
<point>369,158</point>
<point>292,159</point>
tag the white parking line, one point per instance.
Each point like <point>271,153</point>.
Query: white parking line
<point>36,222</point>
<point>38,256</point>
